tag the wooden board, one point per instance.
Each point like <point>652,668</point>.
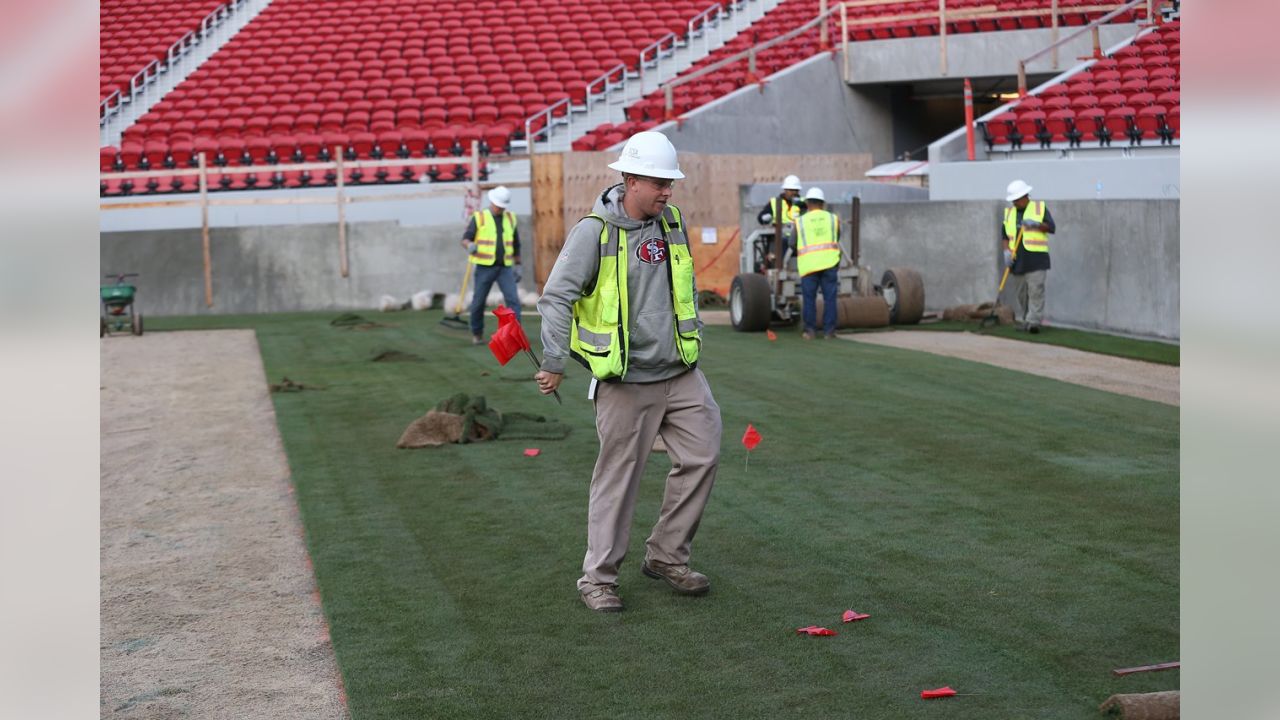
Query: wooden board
<point>709,196</point>
<point>547,175</point>
<point>715,265</point>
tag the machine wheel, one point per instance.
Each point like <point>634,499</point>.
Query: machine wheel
<point>904,292</point>
<point>137,324</point>
<point>749,306</point>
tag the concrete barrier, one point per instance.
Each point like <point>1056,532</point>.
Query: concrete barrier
<point>290,268</point>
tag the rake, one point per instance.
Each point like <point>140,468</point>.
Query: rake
<point>455,320</point>
<point>992,319</point>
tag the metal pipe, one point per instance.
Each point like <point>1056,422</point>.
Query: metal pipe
<point>342,213</point>
<point>204,232</point>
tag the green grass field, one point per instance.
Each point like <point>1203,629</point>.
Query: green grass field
<point>1011,536</point>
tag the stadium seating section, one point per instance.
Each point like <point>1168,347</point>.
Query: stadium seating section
<point>1129,98</point>
<point>405,78</point>
<point>427,78</point>
<point>133,33</point>
<point>791,15</point>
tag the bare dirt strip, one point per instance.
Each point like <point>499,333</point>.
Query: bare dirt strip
<point>1149,381</point>
<point>208,603</point>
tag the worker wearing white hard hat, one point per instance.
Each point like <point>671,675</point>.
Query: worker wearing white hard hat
<point>818,261</point>
<point>781,211</point>
<point>622,301</point>
<point>1026,229</point>
<point>492,241</point>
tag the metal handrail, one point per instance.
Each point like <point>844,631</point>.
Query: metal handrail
<point>1100,21</point>
<point>530,136</point>
<point>749,53</point>
<point>1092,27</point>
<point>141,78</point>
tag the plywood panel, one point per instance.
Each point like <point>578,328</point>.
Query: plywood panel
<point>547,174</point>
<point>708,196</point>
<point>715,265</point>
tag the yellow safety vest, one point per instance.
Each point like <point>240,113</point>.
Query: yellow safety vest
<point>600,337</point>
<point>817,241</point>
<point>1032,240</point>
<point>790,210</point>
<point>487,238</point>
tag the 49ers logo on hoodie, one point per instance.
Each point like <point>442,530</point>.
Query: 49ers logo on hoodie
<point>653,251</point>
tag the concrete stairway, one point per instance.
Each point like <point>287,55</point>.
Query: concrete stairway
<point>169,76</point>
<point>609,107</point>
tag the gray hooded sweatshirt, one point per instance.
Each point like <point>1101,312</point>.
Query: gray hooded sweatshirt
<point>651,317</point>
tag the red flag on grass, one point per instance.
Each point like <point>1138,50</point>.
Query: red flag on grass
<point>770,334</point>
<point>532,452</point>
<point>814,630</point>
<point>938,693</point>
<point>852,615</point>
<point>751,438</point>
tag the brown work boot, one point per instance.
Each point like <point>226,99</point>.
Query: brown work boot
<point>807,335</point>
<point>681,578</point>
<point>602,599</point>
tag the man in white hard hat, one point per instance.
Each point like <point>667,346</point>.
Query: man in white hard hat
<point>785,208</point>
<point>1026,230</point>
<point>622,301</point>
<point>493,242</point>
<point>817,261</point>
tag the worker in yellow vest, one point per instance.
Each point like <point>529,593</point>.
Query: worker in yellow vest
<point>493,243</point>
<point>621,300</point>
<point>785,208</point>
<point>818,260</point>
<point>1029,265</point>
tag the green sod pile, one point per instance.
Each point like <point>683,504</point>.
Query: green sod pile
<point>1010,536</point>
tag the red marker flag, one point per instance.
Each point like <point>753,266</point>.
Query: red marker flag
<point>510,340</point>
<point>814,630</point>
<point>751,438</point>
<point>938,693</point>
<point>532,452</point>
<point>852,615</point>
<point>771,335</point>
<point>505,343</point>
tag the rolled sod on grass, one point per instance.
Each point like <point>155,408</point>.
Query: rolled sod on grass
<point>1013,537</point>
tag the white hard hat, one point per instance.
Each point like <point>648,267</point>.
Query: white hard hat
<point>1016,189</point>
<point>791,182</point>
<point>500,196</point>
<point>815,193</point>
<point>649,154</point>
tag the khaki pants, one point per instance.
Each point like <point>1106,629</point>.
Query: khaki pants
<point>1029,291</point>
<point>628,418</point>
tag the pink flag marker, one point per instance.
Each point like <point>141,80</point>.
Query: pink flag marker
<point>854,615</point>
<point>814,630</point>
<point>532,452</point>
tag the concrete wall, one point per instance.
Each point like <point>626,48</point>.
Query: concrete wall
<point>275,269</point>
<point>1079,177</point>
<point>836,118</point>
<point>1115,263</point>
<point>972,55</point>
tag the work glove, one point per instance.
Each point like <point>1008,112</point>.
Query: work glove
<point>1008,258</point>
<point>767,218</point>
<point>517,272</point>
<point>472,248</point>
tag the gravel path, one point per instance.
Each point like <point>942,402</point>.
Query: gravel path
<point>209,607</point>
<point>1149,381</point>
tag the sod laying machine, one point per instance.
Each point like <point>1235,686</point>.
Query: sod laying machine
<point>763,294</point>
